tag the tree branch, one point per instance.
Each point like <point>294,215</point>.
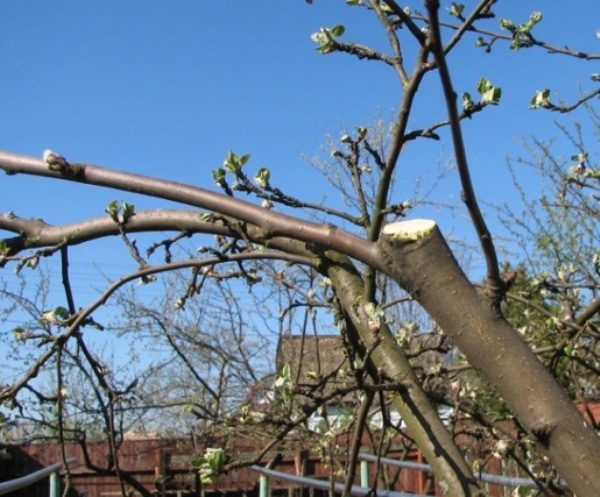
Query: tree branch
<point>272,223</point>
<point>494,280</point>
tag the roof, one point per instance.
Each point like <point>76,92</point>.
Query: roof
<point>311,358</point>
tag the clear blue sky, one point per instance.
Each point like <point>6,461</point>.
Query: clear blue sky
<point>167,88</point>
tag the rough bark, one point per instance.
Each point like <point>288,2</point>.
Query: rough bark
<point>421,261</point>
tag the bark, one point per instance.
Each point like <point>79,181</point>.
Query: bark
<point>423,266</point>
<point>415,408</point>
<point>417,256</point>
<point>271,223</point>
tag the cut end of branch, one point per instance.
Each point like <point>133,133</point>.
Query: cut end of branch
<point>412,230</point>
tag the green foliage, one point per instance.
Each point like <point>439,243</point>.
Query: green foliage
<point>406,332</point>
<point>207,217</point>
<point>112,209</point>
<point>521,34</point>
<point>262,177</point>
<point>219,176</point>
<point>209,464</point>
<point>283,384</point>
<point>375,316</point>
<point>468,104</point>
<point>490,94</point>
<point>325,38</point>
<point>234,163</point>
<point>120,212</point>
<point>20,334</point>
<point>541,99</point>
<point>55,316</point>
<point>4,248</point>
<point>558,231</point>
<point>456,9</point>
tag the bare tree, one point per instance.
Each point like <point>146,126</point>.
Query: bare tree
<point>412,254</point>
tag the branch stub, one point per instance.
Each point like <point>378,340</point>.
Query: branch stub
<point>412,230</point>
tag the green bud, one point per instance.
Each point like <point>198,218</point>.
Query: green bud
<point>468,103</point>
<point>262,177</point>
<point>128,211</point>
<point>490,94</point>
<point>112,209</point>
<point>456,9</point>
<point>541,99</point>
<point>535,18</point>
<point>207,217</point>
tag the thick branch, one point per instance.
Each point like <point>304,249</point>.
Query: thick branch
<point>420,260</point>
<point>272,223</point>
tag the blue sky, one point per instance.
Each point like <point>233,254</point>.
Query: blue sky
<point>167,88</point>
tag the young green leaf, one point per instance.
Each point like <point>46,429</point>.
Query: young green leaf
<point>508,25</point>
<point>468,103</point>
<point>219,176</point>
<point>490,94</point>
<point>112,209</point>
<point>541,99</point>
<point>128,211</point>
<point>456,9</point>
<point>338,30</point>
<point>262,177</point>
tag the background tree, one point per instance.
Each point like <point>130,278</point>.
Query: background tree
<point>413,255</point>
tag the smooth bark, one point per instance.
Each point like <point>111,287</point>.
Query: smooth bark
<point>420,415</point>
<point>424,265</point>
<point>427,269</point>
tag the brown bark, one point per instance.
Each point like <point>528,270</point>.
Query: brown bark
<point>427,269</point>
<point>415,408</point>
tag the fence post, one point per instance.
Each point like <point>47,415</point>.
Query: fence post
<point>364,474</point>
<point>54,485</point>
<point>264,486</point>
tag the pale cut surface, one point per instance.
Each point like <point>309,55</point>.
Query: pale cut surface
<point>413,229</point>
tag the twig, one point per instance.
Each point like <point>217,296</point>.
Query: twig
<point>394,42</point>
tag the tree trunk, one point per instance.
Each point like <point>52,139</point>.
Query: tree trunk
<point>417,256</point>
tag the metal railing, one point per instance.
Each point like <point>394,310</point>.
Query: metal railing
<point>485,477</point>
<point>321,484</point>
<point>25,481</point>
<point>364,490</point>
